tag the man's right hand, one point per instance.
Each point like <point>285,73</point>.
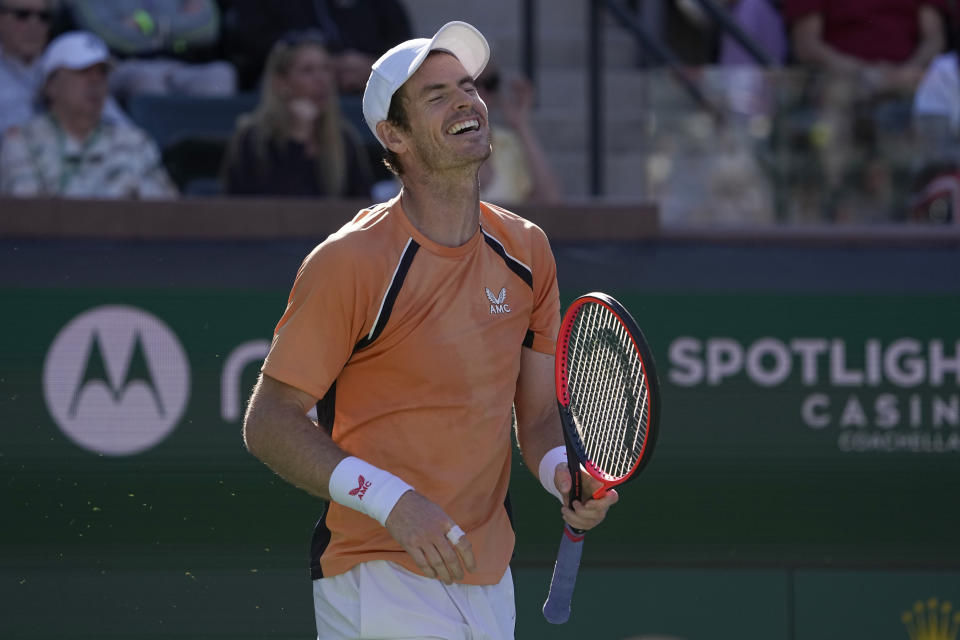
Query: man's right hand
<point>421,527</point>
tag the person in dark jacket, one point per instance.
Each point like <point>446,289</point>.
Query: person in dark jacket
<point>296,143</point>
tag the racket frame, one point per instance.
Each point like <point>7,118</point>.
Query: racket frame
<point>576,452</point>
<point>557,607</point>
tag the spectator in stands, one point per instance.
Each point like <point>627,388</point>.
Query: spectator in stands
<point>748,90</point>
<point>936,105</point>
<point>872,54</point>
<point>24,28</point>
<point>762,21</point>
<point>297,143</point>
<point>24,31</point>
<point>885,44</point>
<point>517,170</point>
<point>70,149</point>
<point>356,32</point>
<point>163,46</point>
<point>936,120</point>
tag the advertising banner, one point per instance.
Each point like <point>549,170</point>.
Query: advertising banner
<point>819,422</point>
<point>805,436</point>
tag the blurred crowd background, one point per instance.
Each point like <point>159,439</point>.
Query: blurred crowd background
<point>722,112</point>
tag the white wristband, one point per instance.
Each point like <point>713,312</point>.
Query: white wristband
<point>548,469</point>
<point>366,488</point>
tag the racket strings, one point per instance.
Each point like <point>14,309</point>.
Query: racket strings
<point>608,391</point>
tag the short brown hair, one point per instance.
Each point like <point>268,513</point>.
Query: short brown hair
<point>396,115</point>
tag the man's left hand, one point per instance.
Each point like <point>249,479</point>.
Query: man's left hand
<point>587,512</point>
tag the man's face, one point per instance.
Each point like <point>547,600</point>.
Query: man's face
<point>81,92</point>
<point>24,28</point>
<point>448,120</point>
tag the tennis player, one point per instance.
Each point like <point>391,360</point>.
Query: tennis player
<point>414,329</point>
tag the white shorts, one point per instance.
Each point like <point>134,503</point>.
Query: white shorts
<point>380,599</point>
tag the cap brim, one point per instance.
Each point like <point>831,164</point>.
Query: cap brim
<point>461,40</point>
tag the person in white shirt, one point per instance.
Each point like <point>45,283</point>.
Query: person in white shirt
<point>936,124</point>
<point>24,28</point>
<point>70,149</point>
<point>24,31</point>
<point>936,104</point>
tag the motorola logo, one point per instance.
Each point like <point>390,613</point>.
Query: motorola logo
<point>116,380</point>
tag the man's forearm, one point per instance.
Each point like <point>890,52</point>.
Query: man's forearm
<point>932,41</point>
<point>811,48</point>
<point>286,440</point>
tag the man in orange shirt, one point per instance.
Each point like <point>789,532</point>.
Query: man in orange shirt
<point>419,326</point>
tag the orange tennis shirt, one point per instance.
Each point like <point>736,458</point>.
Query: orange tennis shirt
<point>416,347</point>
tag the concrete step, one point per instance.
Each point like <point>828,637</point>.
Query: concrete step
<point>490,16</point>
<point>564,50</point>
<point>561,31</point>
<point>623,179</point>
<point>562,130</point>
<point>624,90</point>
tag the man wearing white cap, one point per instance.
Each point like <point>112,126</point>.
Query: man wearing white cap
<point>71,149</point>
<point>24,31</point>
<point>417,327</point>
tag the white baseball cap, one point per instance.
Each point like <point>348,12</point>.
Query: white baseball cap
<point>397,65</point>
<point>74,50</point>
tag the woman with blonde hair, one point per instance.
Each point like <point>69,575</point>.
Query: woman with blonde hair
<point>297,143</point>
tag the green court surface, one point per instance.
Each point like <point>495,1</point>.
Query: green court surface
<point>139,596</point>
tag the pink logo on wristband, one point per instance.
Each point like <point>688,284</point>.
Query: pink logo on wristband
<point>362,486</point>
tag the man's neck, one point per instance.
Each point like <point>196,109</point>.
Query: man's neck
<point>447,212</point>
<point>76,126</point>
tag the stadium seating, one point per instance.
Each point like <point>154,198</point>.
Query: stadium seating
<point>169,118</point>
<point>193,132</point>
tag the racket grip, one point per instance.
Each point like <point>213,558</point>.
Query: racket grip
<point>557,607</point>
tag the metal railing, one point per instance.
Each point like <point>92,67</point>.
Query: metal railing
<point>658,52</point>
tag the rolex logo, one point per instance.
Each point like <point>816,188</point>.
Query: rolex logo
<point>933,620</point>
<point>498,302</point>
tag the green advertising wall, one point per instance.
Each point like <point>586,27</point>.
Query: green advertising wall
<point>804,486</point>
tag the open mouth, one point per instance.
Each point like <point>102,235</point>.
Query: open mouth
<point>466,126</point>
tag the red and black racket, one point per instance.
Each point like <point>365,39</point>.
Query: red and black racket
<point>609,399</point>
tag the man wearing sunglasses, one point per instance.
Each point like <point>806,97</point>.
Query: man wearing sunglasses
<point>69,149</point>
<point>24,32</point>
<point>24,29</point>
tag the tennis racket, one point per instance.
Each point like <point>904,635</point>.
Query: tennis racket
<point>609,399</point>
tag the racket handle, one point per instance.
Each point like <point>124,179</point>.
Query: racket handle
<point>557,607</point>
